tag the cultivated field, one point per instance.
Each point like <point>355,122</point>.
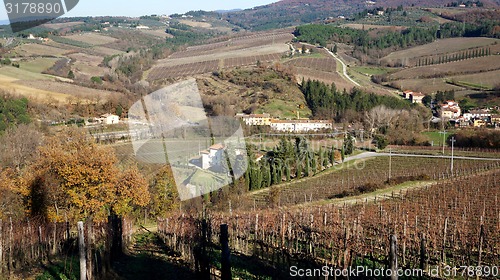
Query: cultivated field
<point>10,85</point>
<point>92,39</point>
<point>37,65</point>
<point>88,65</point>
<point>327,64</point>
<point>442,47</point>
<point>426,86</point>
<point>66,89</point>
<point>39,50</point>
<point>245,42</point>
<point>488,79</point>
<point>189,69</point>
<point>481,64</point>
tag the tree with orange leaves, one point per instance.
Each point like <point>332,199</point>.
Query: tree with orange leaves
<point>76,178</point>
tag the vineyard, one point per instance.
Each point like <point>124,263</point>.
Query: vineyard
<point>236,43</point>
<point>371,173</point>
<point>29,243</point>
<point>170,72</point>
<point>454,222</point>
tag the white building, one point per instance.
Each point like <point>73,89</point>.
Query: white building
<point>108,119</point>
<point>301,125</point>
<point>255,119</point>
<point>477,114</point>
<point>212,157</point>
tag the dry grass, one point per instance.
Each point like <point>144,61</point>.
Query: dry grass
<point>193,23</point>
<point>67,89</point>
<point>39,50</point>
<point>92,38</point>
<point>10,84</point>
<point>88,65</point>
<point>441,47</point>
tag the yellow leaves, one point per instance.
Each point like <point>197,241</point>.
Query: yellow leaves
<point>131,189</point>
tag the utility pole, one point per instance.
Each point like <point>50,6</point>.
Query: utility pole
<point>444,138</point>
<point>452,145</point>
<point>390,163</point>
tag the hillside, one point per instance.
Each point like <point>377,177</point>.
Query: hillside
<point>295,12</point>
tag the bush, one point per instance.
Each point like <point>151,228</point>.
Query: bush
<point>96,80</point>
<point>381,141</point>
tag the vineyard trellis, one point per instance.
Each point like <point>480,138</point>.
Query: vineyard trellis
<point>28,243</point>
<point>454,222</point>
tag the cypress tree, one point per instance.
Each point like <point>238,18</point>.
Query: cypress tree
<point>287,172</point>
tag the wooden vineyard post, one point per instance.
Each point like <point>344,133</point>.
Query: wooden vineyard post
<point>81,248</point>
<point>443,253</point>
<point>225,254</point>
<point>481,239</point>
<point>393,257</point>
<point>423,253</point>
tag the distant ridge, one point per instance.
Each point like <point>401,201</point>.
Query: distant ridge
<point>287,13</point>
<point>228,11</point>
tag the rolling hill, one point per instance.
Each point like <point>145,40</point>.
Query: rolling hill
<point>295,12</point>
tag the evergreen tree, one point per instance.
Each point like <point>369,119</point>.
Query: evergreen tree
<point>287,172</point>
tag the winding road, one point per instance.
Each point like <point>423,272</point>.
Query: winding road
<point>344,68</point>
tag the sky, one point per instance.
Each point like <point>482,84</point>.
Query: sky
<point>148,7</point>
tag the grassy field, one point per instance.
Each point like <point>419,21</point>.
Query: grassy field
<point>441,47</point>
<point>9,84</point>
<point>373,70</point>
<point>480,64</point>
<point>484,80</point>
<point>38,50</point>
<point>284,109</point>
<point>37,65</point>
<point>436,137</point>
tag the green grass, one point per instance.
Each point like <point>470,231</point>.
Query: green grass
<point>62,270</point>
<point>372,70</point>
<point>22,74</point>
<point>284,109</point>
<point>436,137</point>
<point>38,65</point>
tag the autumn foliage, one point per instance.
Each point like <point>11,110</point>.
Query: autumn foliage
<point>74,178</point>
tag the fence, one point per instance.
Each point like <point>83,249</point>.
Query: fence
<point>29,243</point>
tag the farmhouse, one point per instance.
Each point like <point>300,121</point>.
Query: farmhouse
<point>108,119</point>
<point>255,119</point>
<point>416,97</point>
<point>300,125</point>
<point>212,157</point>
<point>451,110</point>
